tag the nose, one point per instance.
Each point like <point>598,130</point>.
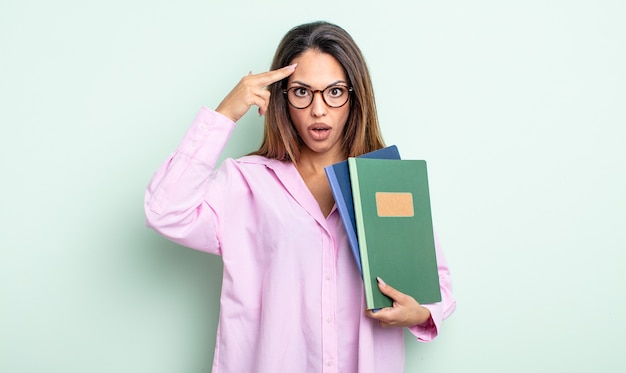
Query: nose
<point>318,106</point>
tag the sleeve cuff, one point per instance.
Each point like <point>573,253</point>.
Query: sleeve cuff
<point>429,330</point>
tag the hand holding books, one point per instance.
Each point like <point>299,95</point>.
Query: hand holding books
<point>404,311</point>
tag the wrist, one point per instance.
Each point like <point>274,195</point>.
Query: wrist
<point>424,318</point>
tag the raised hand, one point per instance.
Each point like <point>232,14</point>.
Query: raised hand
<point>405,310</point>
<point>251,90</point>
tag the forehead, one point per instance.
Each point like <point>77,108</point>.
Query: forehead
<point>317,69</point>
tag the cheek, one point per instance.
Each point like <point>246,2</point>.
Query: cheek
<point>293,114</point>
<point>296,118</point>
<point>343,116</point>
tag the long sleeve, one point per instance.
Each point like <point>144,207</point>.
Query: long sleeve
<point>441,310</point>
<point>175,199</point>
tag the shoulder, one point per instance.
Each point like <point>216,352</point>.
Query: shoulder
<point>246,162</point>
<point>254,161</point>
<point>259,167</point>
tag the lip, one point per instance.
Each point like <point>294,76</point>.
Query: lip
<point>319,131</point>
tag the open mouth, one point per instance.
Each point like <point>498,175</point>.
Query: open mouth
<point>321,129</point>
<point>319,132</point>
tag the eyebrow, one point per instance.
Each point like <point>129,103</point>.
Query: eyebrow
<point>309,86</point>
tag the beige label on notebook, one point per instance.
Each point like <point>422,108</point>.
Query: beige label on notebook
<point>390,204</point>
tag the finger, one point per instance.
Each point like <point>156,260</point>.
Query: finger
<point>274,76</point>
<point>388,290</point>
<point>262,101</point>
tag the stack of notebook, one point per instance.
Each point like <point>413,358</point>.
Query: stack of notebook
<point>384,203</point>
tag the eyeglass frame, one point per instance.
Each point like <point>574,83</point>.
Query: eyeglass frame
<point>321,91</point>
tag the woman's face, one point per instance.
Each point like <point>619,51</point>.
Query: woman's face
<point>320,126</point>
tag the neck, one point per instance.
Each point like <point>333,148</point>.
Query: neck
<point>315,162</point>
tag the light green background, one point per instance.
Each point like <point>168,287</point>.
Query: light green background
<point>518,106</point>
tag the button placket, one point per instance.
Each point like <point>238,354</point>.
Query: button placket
<point>329,305</point>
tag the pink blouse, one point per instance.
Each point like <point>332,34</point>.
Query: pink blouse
<point>292,297</point>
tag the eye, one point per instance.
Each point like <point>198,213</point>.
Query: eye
<point>336,91</point>
<point>300,92</point>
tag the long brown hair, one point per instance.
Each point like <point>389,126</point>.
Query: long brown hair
<point>361,133</point>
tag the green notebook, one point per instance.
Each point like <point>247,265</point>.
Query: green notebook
<point>394,228</point>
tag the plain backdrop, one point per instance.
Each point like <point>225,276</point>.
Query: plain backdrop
<point>518,107</point>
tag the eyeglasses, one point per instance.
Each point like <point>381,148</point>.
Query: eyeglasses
<point>334,96</point>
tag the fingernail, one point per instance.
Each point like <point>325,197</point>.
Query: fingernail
<point>292,67</point>
<point>380,281</point>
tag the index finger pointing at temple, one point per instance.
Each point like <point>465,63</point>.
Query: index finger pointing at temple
<point>274,76</point>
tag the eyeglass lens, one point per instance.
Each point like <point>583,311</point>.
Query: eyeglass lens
<point>334,96</point>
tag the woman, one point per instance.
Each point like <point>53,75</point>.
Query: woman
<point>292,297</point>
